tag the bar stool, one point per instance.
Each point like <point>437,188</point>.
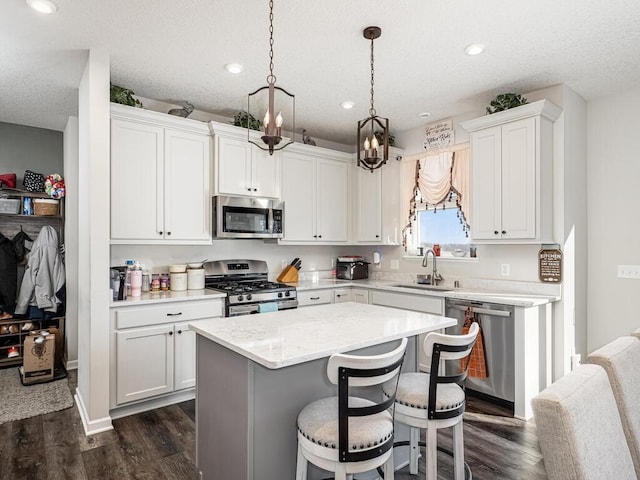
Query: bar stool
<point>348,434</point>
<point>434,401</point>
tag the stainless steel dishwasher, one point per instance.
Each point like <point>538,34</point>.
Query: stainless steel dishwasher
<point>497,326</point>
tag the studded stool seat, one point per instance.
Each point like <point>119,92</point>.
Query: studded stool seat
<point>413,392</point>
<point>318,422</point>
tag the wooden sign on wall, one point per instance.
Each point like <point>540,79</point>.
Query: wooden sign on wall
<point>438,135</point>
<point>550,265</point>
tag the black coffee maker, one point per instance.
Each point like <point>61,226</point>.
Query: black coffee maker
<point>119,282</point>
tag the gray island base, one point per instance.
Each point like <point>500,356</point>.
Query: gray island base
<point>256,372</point>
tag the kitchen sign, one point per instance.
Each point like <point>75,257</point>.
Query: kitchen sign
<point>438,135</point>
<point>550,265</point>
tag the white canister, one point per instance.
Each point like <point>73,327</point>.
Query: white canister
<point>195,278</point>
<point>178,281</point>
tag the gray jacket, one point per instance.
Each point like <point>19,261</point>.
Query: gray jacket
<point>44,275</point>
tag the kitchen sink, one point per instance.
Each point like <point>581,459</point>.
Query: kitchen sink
<point>418,286</point>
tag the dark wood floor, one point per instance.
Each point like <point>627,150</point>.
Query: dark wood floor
<point>160,445</point>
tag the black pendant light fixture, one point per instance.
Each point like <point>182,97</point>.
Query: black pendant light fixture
<point>373,131</point>
<point>278,104</point>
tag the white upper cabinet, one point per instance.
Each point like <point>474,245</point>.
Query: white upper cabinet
<point>241,168</point>
<point>378,212</point>
<point>369,205</point>
<point>511,174</point>
<point>160,178</point>
<point>315,193</point>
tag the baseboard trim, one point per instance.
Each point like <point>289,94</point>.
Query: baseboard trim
<point>159,402</point>
<point>91,427</point>
<point>72,365</point>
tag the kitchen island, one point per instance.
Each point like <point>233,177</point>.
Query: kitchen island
<point>256,372</point>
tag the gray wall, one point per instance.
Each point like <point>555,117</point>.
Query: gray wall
<point>28,148</point>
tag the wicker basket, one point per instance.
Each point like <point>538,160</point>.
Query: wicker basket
<point>45,207</point>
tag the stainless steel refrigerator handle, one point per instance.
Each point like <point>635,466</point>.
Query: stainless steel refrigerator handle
<point>487,311</point>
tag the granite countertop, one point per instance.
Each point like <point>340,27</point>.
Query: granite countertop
<point>289,337</point>
<point>168,296</point>
<point>493,295</point>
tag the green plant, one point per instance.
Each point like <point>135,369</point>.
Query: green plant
<point>505,101</point>
<point>123,96</point>
<point>244,119</point>
<point>379,136</point>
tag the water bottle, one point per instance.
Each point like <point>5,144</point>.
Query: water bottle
<point>136,280</point>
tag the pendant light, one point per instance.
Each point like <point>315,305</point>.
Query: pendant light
<point>278,104</point>
<point>373,150</point>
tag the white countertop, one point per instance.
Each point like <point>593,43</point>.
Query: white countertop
<point>168,296</point>
<point>289,337</point>
<point>517,299</point>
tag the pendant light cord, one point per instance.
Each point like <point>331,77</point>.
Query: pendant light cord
<point>271,79</point>
<point>372,110</point>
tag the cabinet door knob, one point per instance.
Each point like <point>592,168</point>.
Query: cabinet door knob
<point>248,189</point>
<point>179,331</point>
<point>495,232</point>
<point>255,189</point>
<point>170,333</point>
<point>315,236</point>
<point>319,236</point>
<point>504,232</point>
<point>168,233</point>
<point>160,233</point>
<point>377,236</point>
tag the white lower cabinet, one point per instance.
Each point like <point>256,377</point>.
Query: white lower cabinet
<point>418,303</point>
<point>314,297</point>
<point>154,354</point>
<point>341,295</point>
<point>360,295</point>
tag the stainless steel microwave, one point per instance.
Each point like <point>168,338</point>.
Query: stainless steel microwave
<point>247,217</point>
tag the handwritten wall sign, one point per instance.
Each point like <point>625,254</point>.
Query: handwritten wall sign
<point>438,135</point>
<point>550,265</point>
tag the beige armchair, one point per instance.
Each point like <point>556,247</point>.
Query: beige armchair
<point>621,360</point>
<point>579,428</point>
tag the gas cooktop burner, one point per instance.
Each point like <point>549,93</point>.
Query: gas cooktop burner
<point>248,286</point>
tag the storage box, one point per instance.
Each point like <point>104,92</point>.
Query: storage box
<point>45,206</point>
<point>38,358</point>
<point>9,205</point>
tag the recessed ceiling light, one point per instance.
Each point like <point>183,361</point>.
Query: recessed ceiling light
<point>234,67</point>
<point>43,6</point>
<point>474,49</point>
<point>347,105</point>
<point>424,115</point>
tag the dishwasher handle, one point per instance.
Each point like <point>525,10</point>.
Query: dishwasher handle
<point>485,311</point>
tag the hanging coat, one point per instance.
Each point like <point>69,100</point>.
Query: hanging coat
<point>44,275</point>
<point>8,275</point>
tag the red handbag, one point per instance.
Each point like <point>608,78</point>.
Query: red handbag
<point>8,180</point>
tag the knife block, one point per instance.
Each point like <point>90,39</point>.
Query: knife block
<point>288,275</point>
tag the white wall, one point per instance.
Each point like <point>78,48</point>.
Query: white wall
<point>158,106</point>
<point>92,394</point>
<point>29,148</point>
<point>71,227</point>
<point>614,198</point>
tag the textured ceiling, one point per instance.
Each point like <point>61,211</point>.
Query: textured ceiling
<point>174,50</point>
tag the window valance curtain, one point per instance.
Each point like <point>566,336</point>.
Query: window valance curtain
<point>436,175</point>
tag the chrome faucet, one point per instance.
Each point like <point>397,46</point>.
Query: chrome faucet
<point>435,277</point>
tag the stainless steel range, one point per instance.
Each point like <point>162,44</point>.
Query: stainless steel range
<point>248,288</point>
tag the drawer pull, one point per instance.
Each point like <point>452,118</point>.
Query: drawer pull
<point>180,331</point>
<point>314,298</point>
<point>170,333</point>
<point>174,314</point>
